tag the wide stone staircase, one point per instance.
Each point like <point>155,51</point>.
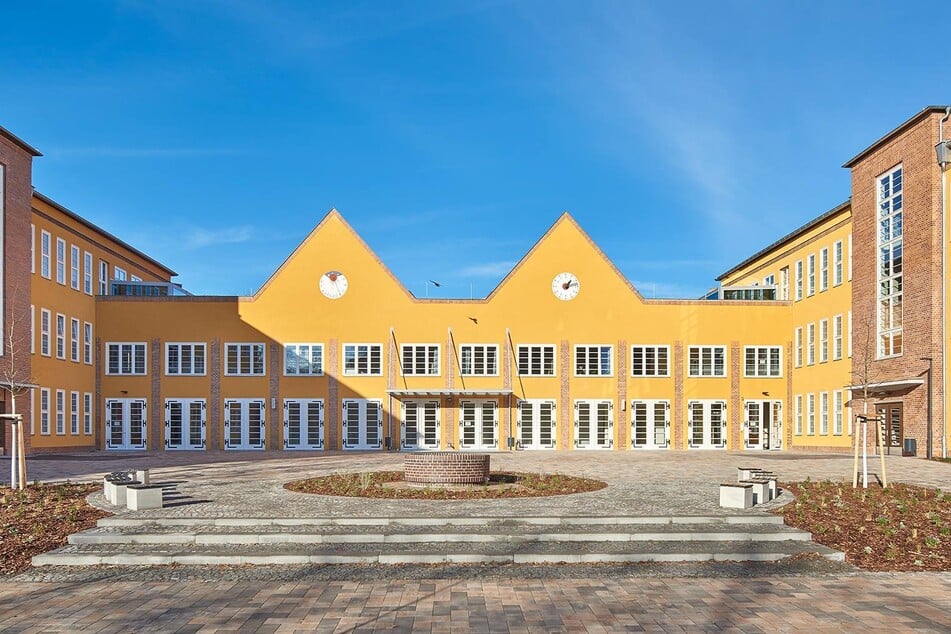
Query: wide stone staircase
<point>427,540</point>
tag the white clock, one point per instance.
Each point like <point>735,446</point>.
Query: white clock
<point>565,286</point>
<point>333,284</point>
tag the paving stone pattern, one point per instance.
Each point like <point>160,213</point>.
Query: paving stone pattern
<point>870,603</point>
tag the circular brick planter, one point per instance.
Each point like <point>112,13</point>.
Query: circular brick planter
<point>446,468</point>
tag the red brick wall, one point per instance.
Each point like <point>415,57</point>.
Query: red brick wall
<point>18,194</point>
<point>914,149</point>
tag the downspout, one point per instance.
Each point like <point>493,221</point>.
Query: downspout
<point>944,281</point>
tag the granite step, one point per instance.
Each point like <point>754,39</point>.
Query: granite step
<point>428,553</point>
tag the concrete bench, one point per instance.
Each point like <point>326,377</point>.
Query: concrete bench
<point>120,491</point>
<point>143,496</point>
<point>111,481</point>
<point>745,473</point>
<point>736,495</point>
<point>760,490</point>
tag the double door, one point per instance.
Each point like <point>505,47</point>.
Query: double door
<point>126,423</point>
<point>594,424</point>
<point>303,423</point>
<point>421,419</point>
<point>763,427</point>
<point>185,424</point>
<point>245,423</point>
<point>892,428</point>
<point>362,424</point>
<point>478,424</point>
<point>536,424</point>
<point>650,424</point>
<point>706,424</point>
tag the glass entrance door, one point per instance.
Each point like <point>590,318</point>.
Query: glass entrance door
<point>420,425</point>
<point>706,424</point>
<point>594,424</point>
<point>362,424</point>
<point>303,423</point>
<point>244,423</point>
<point>763,426</point>
<point>891,426</point>
<point>478,424</point>
<point>650,424</point>
<point>125,423</point>
<point>185,424</point>
<point>536,424</point>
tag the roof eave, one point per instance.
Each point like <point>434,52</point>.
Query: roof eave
<point>927,110</point>
<point>19,142</point>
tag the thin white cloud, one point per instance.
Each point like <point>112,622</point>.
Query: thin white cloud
<point>133,152</point>
<point>487,269</point>
<point>200,238</point>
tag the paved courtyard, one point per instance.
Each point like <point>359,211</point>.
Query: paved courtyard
<point>606,599</point>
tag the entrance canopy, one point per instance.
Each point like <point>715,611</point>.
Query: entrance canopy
<point>889,386</point>
<point>424,392</point>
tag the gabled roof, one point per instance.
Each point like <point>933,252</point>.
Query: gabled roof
<point>18,141</point>
<point>72,214</point>
<point>787,238</point>
<point>927,110</point>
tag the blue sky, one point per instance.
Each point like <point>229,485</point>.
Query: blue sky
<point>683,137</point>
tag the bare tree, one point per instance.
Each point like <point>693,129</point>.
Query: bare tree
<point>15,379</point>
<point>865,373</point>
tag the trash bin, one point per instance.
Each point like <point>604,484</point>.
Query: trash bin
<point>910,448</point>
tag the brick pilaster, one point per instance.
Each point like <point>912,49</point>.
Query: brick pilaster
<point>213,421</point>
<point>735,433</point>
<point>566,424</point>
<point>621,417</point>
<point>156,407</point>
<point>332,411</point>
<point>275,429</point>
<point>678,422</point>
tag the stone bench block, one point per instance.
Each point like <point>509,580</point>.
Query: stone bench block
<point>745,473</point>
<point>120,490</point>
<point>142,475</point>
<point>736,496</point>
<point>143,496</point>
<point>760,490</point>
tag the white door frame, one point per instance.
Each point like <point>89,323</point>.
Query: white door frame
<point>592,410</point>
<point>477,423</point>
<point>127,439</point>
<point>416,414</point>
<point>309,413</point>
<point>770,424</point>
<point>706,437</point>
<point>187,407</point>
<point>367,433</point>
<point>247,437</point>
<point>656,420</point>
<point>529,424</point>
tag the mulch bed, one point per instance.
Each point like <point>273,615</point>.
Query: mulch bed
<point>40,518</point>
<point>901,528</point>
<point>387,484</point>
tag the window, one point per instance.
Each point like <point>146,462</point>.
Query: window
<point>850,258</point>
<point>74,413</point>
<point>44,410</point>
<point>889,240</point>
<point>244,359</point>
<point>74,340</point>
<point>837,412</point>
<point>769,280</point>
<point>650,360</point>
<point>61,261</point>
<point>87,272</point>
<point>784,283</point>
<point>811,414</point>
<point>363,359</point>
<point>707,361</point>
<point>32,330</point>
<point>125,358</point>
<point>479,360</point>
<point>824,269</point>
<point>823,340</point>
<point>824,413</point>
<point>799,414</point>
<point>811,344</point>
<point>811,275</point>
<point>763,361</point>
<point>74,267</point>
<point>60,336</point>
<point>798,280</point>
<point>135,278</point>
<point>837,254</point>
<point>536,360</point>
<point>87,343</point>
<point>420,359</point>
<point>303,359</point>
<point>185,359</point>
<point>593,360</point>
<point>45,257</point>
<point>837,337</point>
<point>44,332</point>
<point>119,274</point>
<point>87,413</point>
<point>103,277</point>
<point>799,347</point>
<point>32,248</point>
<point>60,412</point>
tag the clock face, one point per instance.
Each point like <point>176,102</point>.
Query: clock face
<point>333,284</point>
<point>565,286</point>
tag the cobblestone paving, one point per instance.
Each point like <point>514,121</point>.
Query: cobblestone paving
<point>867,603</point>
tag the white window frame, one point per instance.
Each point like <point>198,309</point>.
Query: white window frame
<point>74,413</point>
<point>60,336</point>
<point>837,412</point>
<point>799,347</point>
<point>74,255</point>
<point>300,359</point>
<point>810,414</point>
<point>241,350</point>
<point>46,319</point>
<point>810,275</point>
<point>823,269</point>
<point>119,274</point>
<point>468,365</point>
<point>585,360</point>
<point>128,351</point>
<point>45,253</point>
<point>32,246</point>
<point>32,329</point>
<point>837,337</point>
<point>850,334</point>
<point>659,360</point>
<point>428,365</point>
<point>87,413</point>
<point>536,352</point>
<point>849,268</point>
<point>799,281</point>
<point>103,277</point>
<point>74,340</point>
<point>811,344</point>
<point>179,368</point>
<point>823,340</point>
<point>784,283</point>
<point>837,262</point>
<point>890,212</point>
<point>823,413</point>
<point>700,372</point>
<point>87,343</point>
<point>60,261</point>
<point>357,351</point>
<point>45,411</point>
<point>761,353</point>
<point>798,414</point>
<point>60,412</point>
<point>87,272</point>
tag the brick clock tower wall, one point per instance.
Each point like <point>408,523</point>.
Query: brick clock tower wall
<point>913,149</point>
<point>16,163</point>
